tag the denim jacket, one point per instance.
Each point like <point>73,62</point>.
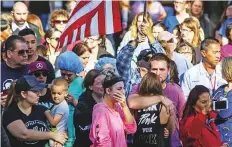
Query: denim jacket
<point>225,128</point>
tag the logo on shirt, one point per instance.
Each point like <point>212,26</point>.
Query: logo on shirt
<point>35,125</point>
<point>6,84</point>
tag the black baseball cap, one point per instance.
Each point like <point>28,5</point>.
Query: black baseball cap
<point>29,83</point>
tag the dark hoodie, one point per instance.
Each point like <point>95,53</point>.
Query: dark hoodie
<point>83,119</point>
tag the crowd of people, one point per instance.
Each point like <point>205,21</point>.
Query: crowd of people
<point>154,84</point>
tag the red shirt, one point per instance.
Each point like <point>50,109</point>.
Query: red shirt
<point>195,132</point>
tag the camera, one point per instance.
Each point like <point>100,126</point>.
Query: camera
<point>222,104</point>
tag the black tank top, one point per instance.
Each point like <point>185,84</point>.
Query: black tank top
<point>150,133</point>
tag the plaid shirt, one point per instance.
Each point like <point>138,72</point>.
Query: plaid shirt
<point>131,75</point>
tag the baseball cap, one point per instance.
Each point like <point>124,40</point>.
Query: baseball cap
<point>165,35</point>
<point>143,55</point>
<point>37,66</point>
<point>29,83</point>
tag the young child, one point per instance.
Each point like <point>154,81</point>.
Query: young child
<point>59,112</point>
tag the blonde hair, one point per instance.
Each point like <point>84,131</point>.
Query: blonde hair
<point>133,28</point>
<point>34,19</point>
<point>164,44</point>
<point>192,24</point>
<point>227,68</point>
<point>60,82</point>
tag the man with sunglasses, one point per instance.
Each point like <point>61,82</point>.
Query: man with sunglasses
<point>30,37</point>
<point>20,13</point>
<point>15,65</point>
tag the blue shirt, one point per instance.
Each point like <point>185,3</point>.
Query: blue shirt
<point>171,22</point>
<point>222,30</point>
<point>225,129</point>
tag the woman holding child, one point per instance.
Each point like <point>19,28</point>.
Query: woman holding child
<point>24,120</point>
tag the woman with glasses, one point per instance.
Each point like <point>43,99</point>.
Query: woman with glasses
<point>112,117</point>
<point>98,47</point>
<point>24,121</point>
<point>51,41</point>
<point>40,71</point>
<point>197,127</point>
<point>58,19</point>
<point>70,67</point>
<point>191,32</point>
<point>226,92</point>
<point>187,50</point>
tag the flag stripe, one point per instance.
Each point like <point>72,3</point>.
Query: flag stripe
<point>109,17</point>
<point>91,18</point>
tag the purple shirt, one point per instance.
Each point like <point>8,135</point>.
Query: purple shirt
<point>226,51</point>
<point>176,95</point>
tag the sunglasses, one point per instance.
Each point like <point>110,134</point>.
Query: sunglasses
<point>43,73</point>
<point>64,74</point>
<point>22,52</point>
<point>60,21</point>
<point>55,38</point>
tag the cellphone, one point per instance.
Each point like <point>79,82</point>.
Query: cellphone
<point>220,105</point>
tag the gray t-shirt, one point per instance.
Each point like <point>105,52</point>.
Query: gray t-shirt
<point>62,109</point>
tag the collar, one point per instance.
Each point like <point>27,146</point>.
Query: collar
<point>203,71</point>
<point>14,26</point>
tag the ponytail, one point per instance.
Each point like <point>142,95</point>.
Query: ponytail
<point>11,98</point>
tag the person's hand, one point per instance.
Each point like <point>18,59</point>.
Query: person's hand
<point>140,38</point>
<point>3,100</point>
<point>57,144</point>
<point>70,99</point>
<point>167,103</point>
<point>120,97</point>
<point>225,145</point>
<point>59,137</point>
<point>207,108</point>
<point>166,133</point>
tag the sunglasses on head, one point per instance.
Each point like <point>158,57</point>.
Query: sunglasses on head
<point>64,74</point>
<point>22,52</point>
<point>60,21</point>
<point>39,73</point>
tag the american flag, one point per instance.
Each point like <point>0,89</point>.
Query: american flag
<point>91,18</point>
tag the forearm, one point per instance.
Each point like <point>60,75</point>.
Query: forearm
<point>37,135</point>
<point>171,124</point>
<point>128,116</point>
<point>140,102</point>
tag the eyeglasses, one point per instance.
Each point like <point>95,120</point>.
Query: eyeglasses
<point>60,21</point>
<point>38,74</point>
<point>185,30</point>
<point>22,52</point>
<point>64,74</point>
<point>36,92</point>
<point>186,53</point>
<point>55,38</point>
<point>91,40</point>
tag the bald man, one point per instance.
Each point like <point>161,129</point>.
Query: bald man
<point>20,13</point>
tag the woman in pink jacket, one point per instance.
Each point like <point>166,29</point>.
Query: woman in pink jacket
<point>112,117</point>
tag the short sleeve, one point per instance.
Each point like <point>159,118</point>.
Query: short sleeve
<point>62,109</point>
<point>9,116</point>
<point>135,89</point>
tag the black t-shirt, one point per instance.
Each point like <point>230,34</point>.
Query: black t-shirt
<point>150,133</point>
<point>36,121</point>
<point>51,75</point>
<point>9,74</point>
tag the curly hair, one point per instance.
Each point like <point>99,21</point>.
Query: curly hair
<point>57,13</point>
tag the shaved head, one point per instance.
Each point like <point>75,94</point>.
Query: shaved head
<point>19,5</point>
<point>19,13</point>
